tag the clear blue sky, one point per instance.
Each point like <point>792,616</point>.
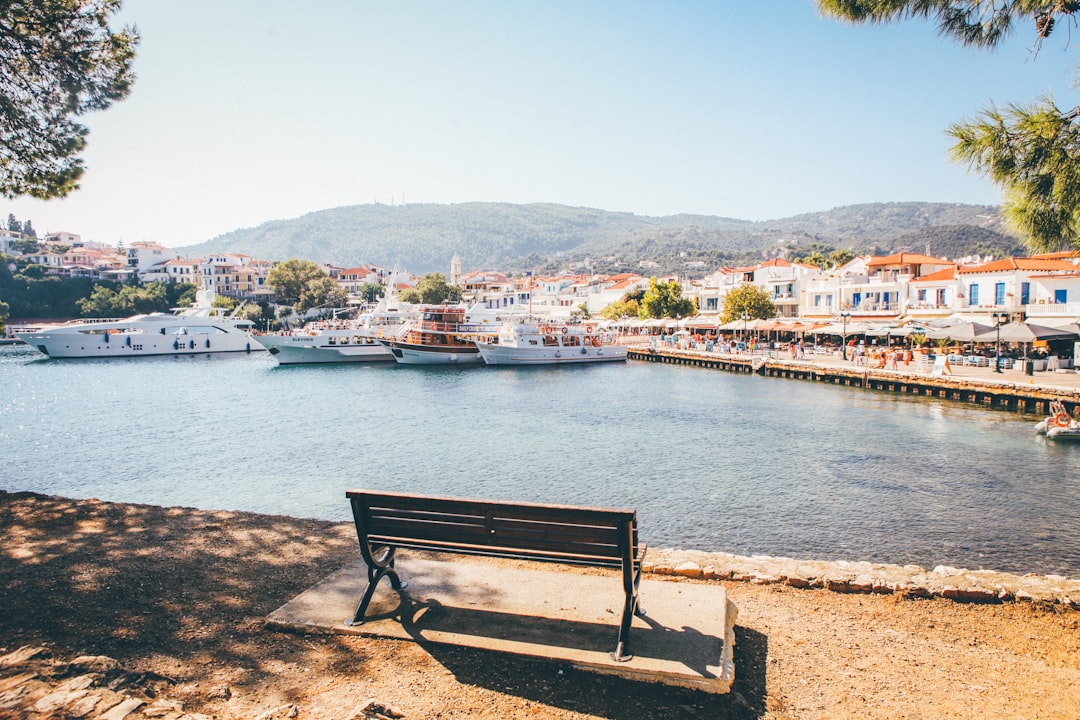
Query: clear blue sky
<point>251,110</point>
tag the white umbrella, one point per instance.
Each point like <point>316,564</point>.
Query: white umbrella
<point>853,328</point>
<point>963,332</point>
<point>1025,333</point>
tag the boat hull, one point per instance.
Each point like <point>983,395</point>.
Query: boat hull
<point>495,354</point>
<point>66,346</point>
<point>305,350</point>
<point>1064,433</point>
<point>412,354</point>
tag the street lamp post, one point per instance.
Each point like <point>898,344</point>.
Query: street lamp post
<point>844,316</point>
<point>1000,319</point>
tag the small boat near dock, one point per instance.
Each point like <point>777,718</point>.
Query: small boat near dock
<point>1059,424</point>
<point>537,342</point>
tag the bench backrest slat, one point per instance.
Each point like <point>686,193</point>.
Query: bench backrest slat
<point>547,532</point>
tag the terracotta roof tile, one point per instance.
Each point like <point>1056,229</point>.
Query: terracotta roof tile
<point>1025,263</point>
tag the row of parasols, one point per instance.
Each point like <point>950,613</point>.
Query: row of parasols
<point>967,332</point>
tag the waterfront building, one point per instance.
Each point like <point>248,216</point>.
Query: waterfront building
<point>147,258</point>
<point>1025,288</point>
<point>232,274</point>
<point>781,278</point>
<point>604,290</point>
<point>352,279</point>
<point>935,296</point>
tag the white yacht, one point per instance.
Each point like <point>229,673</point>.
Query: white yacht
<point>338,341</point>
<point>188,331</point>
<point>532,342</point>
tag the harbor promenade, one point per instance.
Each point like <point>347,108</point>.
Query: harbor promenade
<point>1011,388</point>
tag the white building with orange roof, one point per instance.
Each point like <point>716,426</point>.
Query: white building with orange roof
<point>605,290</point>
<point>179,270</point>
<point>148,257</point>
<point>1028,287</point>
<point>782,280</point>
<point>352,279</point>
<point>935,295</point>
<point>711,290</point>
<point>233,274</point>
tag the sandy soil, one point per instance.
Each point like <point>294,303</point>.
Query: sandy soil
<point>178,597</point>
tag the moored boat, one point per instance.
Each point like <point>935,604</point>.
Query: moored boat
<point>443,335</point>
<point>1059,424</point>
<point>340,341</point>
<point>533,342</point>
<point>1059,417</point>
<point>188,331</point>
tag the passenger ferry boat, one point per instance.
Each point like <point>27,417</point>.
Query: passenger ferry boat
<point>443,335</point>
<point>532,342</point>
<point>190,331</point>
<point>339,341</point>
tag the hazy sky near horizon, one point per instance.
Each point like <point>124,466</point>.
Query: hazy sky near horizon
<point>246,111</point>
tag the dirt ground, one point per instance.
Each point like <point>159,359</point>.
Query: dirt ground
<point>178,598</point>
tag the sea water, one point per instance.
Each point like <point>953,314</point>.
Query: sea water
<point>711,460</point>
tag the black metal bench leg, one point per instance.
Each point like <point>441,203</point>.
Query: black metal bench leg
<point>374,576</point>
<point>631,579</point>
<point>620,654</point>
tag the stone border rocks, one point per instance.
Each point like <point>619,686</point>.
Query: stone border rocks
<point>863,577</point>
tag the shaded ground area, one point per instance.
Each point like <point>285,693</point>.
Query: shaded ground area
<point>180,596</point>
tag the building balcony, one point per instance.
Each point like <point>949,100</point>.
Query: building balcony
<point>1052,310</point>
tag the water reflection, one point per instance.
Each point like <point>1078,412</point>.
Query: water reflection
<point>739,464</point>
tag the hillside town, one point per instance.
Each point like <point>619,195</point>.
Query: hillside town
<point>876,290</point>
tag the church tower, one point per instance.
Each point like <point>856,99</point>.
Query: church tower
<point>455,270</point>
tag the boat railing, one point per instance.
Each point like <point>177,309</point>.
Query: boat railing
<point>90,321</point>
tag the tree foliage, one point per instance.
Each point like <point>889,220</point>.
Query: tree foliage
<point>1030,151</point>
<point>59,59</point>
<point>54,298</point>
<point>627,307</point>
<point>371,292</point>
<point>749,300</point>
<point>432,290</point>
<point>33,295</point>
<point>128,300</point>
<point>665,300</point>
<point>305,286</point>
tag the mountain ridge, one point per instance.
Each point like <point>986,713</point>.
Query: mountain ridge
<point>546,237</point>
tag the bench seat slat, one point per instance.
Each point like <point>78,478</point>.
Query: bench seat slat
<point>501,552</point>
<point>375,515</point>
<point>537,511</point>
<point>430,532</point>
<point>499,531</point>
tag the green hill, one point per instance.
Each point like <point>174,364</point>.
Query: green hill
<point>548,237</point>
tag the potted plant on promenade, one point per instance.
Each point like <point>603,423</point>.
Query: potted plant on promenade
<point>919,341</point>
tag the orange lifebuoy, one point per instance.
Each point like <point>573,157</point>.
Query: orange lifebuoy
<point>1063,419</point>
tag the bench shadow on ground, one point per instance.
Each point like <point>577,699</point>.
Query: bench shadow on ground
<point>587,692</point>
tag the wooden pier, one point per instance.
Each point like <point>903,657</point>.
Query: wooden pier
<point>1017,397</point>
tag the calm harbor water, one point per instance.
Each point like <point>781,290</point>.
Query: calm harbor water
<point>711,460</point>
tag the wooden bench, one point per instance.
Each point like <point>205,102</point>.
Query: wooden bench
<point>599,537</point>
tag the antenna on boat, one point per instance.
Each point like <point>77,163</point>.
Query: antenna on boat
<point>529,275</point>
